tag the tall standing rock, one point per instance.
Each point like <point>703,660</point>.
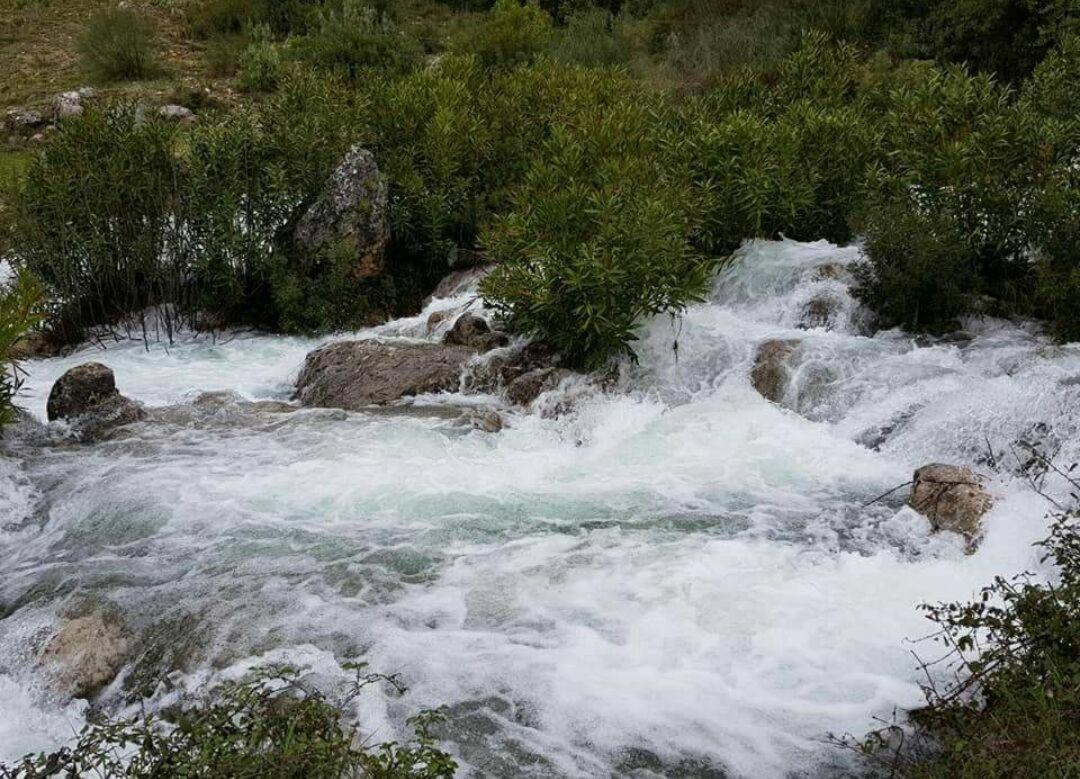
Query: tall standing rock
<point>350,216</point>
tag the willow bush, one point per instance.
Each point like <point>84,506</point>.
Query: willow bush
<point>118,44</point>
<point>22,307</point>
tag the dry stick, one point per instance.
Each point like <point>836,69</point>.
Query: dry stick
<point>886,494</point>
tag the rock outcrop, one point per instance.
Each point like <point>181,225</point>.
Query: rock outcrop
<point>459,281</point>
<point>87,652</point>
<point>353,374</point>
<point>951,497</point>
<point>87,396</point>
<point>771,373</point>
<point>350,216</point>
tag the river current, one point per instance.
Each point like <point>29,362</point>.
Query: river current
<point>672,576</point>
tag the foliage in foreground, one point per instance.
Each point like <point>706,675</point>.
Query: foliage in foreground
<point>1014,709</point>
<point>21,308</point>
<point>268,725</point>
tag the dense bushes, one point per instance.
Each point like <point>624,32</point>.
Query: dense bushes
<point>22,307</point>
<point>118,44</point>
<point>266,725</point>
<point>353,37</point>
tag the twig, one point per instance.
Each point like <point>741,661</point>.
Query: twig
<point>886,494</point>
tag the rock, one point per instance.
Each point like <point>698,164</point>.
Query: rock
<point>351,215</point>
<point>353,374</point>
<point>529,386</point>
<point>24,120</point>
<point>466,329</point>
<point>67,104</point>
<point>87,652</point>
<point>770,373</point>
<point>459,281</point>
<point>830,270</point>
<point>489,422</point>
<point>177,113</point>
<point>472,330</point>
<point>436,319</point>
<point>81,389</point>
<point>87,395</point>
<point>32,344</point>
<point>817,312</point>
<point>951,497</point>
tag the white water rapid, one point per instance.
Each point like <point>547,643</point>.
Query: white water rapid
<point>676,577</point>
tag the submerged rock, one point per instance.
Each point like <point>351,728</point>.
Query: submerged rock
<point>951,497</point>
<point>87,652</point>
<point>771,372</point>
<point>529,386</point>
<point>353,374</point>
<point>350,216</point>
<point>87,396</point>
<point>818,312</point>
<point>488,421</point>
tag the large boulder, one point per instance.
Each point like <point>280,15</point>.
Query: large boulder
<point>354,374</point>
<point>770,374</point>
<point>459,281</point>
<point>86,652</point>
<point>87,397</point>
<point>951,497</point>
<point>350,216</point>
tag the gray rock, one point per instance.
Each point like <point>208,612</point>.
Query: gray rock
<point>32,344</point>
<point>350,216</point>
<point>529,386</point>
<point>24,120</point>
<point>177,113</point>
<point>354,374</point>
<point>67,104</point>
<point>951,497</point>
<point>771,373</point>
<point>87,396</point>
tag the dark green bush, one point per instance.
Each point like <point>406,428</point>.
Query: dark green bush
<point>118,44</point>
<point>209,18</point>
<point>267,725</point>
<point>593,37</point>
<point>22,307</point>
<point>353,37</point>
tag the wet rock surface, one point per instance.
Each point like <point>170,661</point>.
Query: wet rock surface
<point>529,386</point>
<point>87,397</point>
<point>354,374</point>
<point>771,370</point>
<point>86,652</point>
<point>951,497</point>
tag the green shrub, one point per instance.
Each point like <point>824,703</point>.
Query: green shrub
<point>118,44</point>
<point>354,37</point>
<point>22,307</point>
<point>258,68</point>
<point>592,37</point>
<point>512,33</point>
<point>93,217</point>
<point>599,236</point>
<point>267,725</point>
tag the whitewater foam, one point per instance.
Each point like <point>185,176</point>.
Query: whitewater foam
<point>674,573</point>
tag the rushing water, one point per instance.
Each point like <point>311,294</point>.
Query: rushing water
<point>674,576</point>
